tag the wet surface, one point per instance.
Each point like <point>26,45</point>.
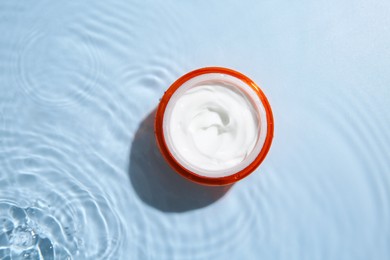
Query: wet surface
<point>81,178</point>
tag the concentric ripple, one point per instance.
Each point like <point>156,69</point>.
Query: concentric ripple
<point>57,69</point>
<point>60,219</point>
<point>52,205</point>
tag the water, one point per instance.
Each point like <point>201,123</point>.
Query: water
<point>80,176</point>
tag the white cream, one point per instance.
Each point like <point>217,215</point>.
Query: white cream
<point>212,127</point>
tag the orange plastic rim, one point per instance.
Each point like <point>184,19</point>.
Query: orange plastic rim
<point>217,181</point>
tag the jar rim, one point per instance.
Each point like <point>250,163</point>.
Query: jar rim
<point>173,162</point>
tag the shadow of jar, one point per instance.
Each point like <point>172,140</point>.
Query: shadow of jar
<point>157,184</point>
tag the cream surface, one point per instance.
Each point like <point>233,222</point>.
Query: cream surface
<point>213,126</point>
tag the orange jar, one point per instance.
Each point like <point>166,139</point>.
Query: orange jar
<point>239,83</point>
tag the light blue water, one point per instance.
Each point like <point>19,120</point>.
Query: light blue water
<point>80,177</point>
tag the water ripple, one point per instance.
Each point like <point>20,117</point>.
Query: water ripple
<point>58,211</point>
<point>56,68</point>
<point>66,209</point>
<point>360,130</point>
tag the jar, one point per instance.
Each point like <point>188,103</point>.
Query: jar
<point>260,105</point>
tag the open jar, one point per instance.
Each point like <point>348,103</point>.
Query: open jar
<point>214,126</point>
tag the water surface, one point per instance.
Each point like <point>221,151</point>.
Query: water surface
<point>80,176</point>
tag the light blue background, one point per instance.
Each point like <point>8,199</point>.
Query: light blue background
<point>78,78</point>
